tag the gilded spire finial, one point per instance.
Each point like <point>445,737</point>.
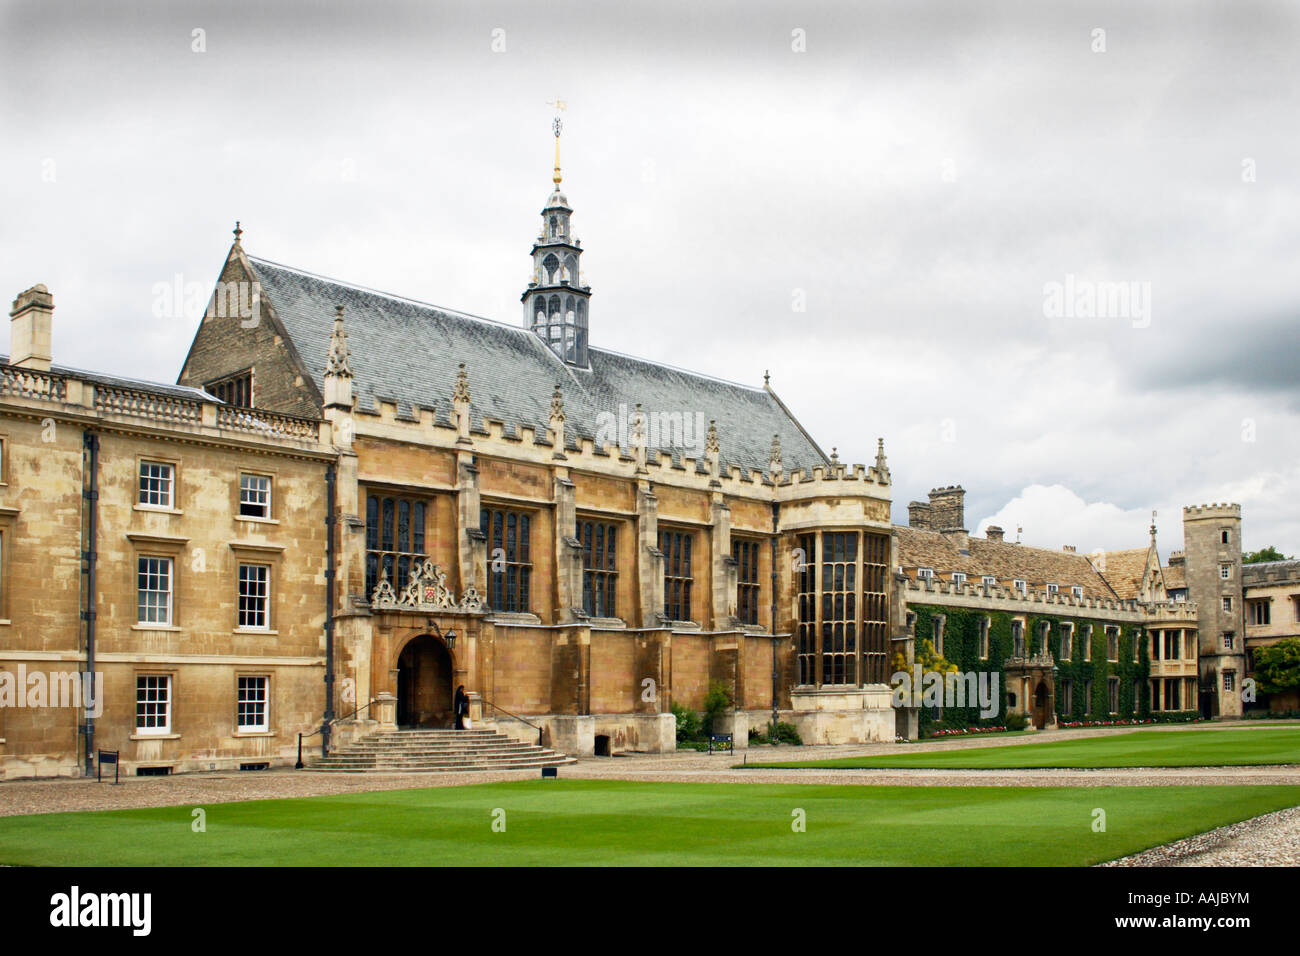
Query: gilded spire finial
<point>556,126</point>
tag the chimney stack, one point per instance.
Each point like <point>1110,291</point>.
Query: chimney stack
<point>918,515</point>
<point>1068,548</point>
<point>948,508</point>
<point>993,533</point>
<point>29,329</point>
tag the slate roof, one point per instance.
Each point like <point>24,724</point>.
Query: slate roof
<point>1003,560</point>
<point>408,352</point>
<point>1175,576</point>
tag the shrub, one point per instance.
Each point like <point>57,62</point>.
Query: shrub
<point>1016,721</point>
<point>689,726</point>
<point>716,703</point>
<point>783,733</point>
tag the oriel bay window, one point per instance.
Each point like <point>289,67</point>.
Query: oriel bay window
<point>395,534</point>
<point>510,563</point>
<point>678,577</point>
<point>745,552</point>
<point>599,567</point>
<point>840,581</point>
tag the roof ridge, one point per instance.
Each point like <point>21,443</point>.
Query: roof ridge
<point>499,322</point>
<point>387,295</point>
<point>758,389</point>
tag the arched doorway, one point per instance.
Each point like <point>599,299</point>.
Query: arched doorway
<point>424,691</point>
<point>1042,700</point>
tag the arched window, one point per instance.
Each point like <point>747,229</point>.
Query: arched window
<point>571,265</point>
<point>554,307</point>
<point>551,265</point>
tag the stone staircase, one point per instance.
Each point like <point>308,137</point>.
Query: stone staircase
<point>430,751</point>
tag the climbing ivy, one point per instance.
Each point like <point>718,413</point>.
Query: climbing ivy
<point>961,647</point>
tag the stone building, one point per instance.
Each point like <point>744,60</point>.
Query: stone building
<point>1071,637</point>
<point>1212,569</point>
<point>580,538</point>
<point>353,503</point>
<point>166,541</point>
<point>1271,592</point>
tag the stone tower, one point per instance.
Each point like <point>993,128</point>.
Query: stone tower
<point>1212,542</point>
<point>556,301</point>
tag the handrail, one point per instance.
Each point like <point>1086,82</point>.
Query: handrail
<point>516,717</point>
<point>321,728</point>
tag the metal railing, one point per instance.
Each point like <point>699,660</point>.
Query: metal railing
<point>516,717</point>
<point>321,729</point>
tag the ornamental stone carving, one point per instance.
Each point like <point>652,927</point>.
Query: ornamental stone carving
<point>426,590</point>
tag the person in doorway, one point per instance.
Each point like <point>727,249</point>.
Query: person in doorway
<point>461,708</point>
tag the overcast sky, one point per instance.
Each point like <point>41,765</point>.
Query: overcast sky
<point>916,175</point>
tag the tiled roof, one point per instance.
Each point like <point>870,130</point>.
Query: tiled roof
<point>408,352</point>
<point>1003,560</point>
<point>1175,576</point>
<point>1123,570</point>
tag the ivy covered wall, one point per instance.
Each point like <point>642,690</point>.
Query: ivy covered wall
<point>961,647</point>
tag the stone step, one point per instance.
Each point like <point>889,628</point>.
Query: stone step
<point>419,766</point>
<point>438,750</point>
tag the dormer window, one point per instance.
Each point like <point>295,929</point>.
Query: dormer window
<point>1019,585</point>
<point>925,574</point>
<point>959,579</point>
<point>989,581</point>
<point>1052,590</point>
<point>1076,592</point>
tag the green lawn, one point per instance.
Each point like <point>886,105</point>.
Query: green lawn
<point>616,823</point>
<point>1143,748</point>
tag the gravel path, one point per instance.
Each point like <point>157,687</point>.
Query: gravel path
<point>1269,840</point>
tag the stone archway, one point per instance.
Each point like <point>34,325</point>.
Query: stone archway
<point>425,672</point>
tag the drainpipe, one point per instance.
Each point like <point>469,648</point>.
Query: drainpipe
<point>90,492</point>
<point>776,520</point>
<point>330,495</point>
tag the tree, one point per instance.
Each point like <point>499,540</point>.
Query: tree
<point>1277,667</point>
<point>1264,554</point>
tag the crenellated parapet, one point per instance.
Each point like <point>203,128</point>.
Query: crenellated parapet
<point>439,426</point>
<point>1216,510</point>
<point>1039,602</point>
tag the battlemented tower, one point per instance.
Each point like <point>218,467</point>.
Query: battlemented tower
<point>556,301</point>
<point>1212,541</point>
